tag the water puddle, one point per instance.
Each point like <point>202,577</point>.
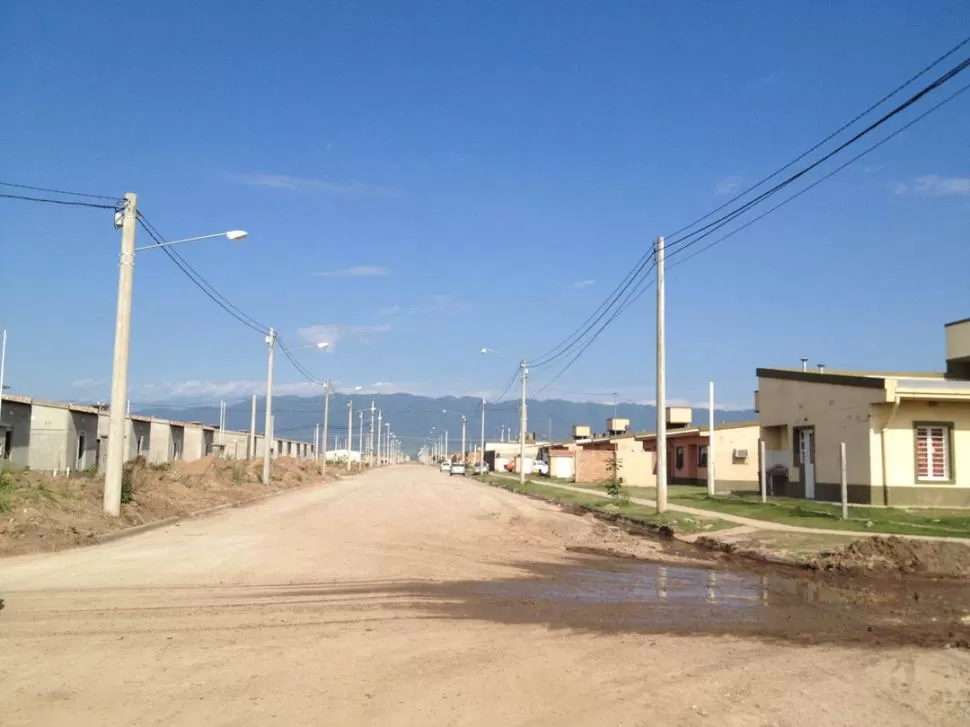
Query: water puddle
<point>617,595</point>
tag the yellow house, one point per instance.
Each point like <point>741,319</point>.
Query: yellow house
<point>907,435</point>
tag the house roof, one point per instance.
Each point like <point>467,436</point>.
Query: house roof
<point>864,379</point>
<point>672,433</point>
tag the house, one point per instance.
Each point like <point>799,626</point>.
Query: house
<point>15,431</point>
<point>907,435</point>
<point>688,453</point>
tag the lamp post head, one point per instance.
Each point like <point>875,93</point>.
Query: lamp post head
<point>236,235</point>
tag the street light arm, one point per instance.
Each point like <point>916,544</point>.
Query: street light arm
<point>232,235</point>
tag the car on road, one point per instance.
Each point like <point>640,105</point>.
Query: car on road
<point>481,469</point>
<point>445,466</point>
<point>458,468</point>
<point>540,467</point>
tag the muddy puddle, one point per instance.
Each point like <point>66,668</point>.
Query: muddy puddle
<point>612,594</point>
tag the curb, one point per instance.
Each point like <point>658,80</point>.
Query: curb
<point>197,515</point>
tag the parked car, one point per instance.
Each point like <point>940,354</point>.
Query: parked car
<point>445,466</point>
<point>540,467</point>
<point>458,468</point>
<point>481,469</point>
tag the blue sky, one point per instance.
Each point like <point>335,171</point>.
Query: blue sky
<point>423,179</point>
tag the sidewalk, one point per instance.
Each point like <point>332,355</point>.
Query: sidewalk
<point>749,522</point>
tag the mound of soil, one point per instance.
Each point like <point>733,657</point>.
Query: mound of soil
<point>900,555</point>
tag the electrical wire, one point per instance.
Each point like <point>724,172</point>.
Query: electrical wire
<point>872,107</point>
<point>68,202</point>
<point>817,182</point>
<point>59,191</point>
<point>204,285</point>
<point>711,227</point>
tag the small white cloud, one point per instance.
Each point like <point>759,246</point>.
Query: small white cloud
<point>584,283</point>
<point>933,185</point>
<point>333,332</point>
<point>300,184</point>
<point>356,271</point>
<point>728,186</point>
<point>437,304</point>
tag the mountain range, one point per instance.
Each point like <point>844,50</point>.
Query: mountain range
<point>412,417</point>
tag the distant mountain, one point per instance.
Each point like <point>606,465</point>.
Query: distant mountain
<point>412,417</point>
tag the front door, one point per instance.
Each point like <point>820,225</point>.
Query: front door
<point>806,456</point>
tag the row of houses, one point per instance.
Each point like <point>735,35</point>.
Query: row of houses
<point>60,437</point>
<point>906,437</point>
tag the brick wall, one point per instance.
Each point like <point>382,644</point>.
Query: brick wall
<point>591,465</point>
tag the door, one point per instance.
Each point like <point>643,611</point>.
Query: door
<point>806,456</point>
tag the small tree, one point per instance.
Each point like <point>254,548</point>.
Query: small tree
<point>614,486</point>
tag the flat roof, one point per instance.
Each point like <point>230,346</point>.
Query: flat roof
<point>702,429</point>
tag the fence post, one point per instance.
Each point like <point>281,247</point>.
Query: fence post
<point>764,470</point>
<point>845,482</point>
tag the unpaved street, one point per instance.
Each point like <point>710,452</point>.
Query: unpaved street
<point>403,597</point>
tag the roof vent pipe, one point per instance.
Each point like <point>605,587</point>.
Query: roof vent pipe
<point>821,368</point>
<point>804,363</point>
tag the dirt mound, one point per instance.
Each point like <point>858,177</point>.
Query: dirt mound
<point>900,555</point>
<point>198,466</point>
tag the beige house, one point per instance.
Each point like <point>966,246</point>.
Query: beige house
<point>907,435</point>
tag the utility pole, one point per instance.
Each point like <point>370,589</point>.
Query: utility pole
<point>119,370</point>
<point>387,442</point>
<point>326,420</point>
<point>377,447</point>
<point>463,421</point>
<point>614,405</point>
<point>370,442</point>
<point>710,441</point>
<point>252,431</point>
<point>350,430</point>
<point>360,439</point>
<point>222,422</point>
<point>316,442</point>
<point>482,459</point>
<point>661,384</point>
<point>523,423</point>
<point>268,426</point>
<point>447,451</point>
<point>3,363</point>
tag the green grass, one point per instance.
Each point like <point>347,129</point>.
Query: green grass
<point>11,489</point>
<point>641,513</point>
<point>813,514</point>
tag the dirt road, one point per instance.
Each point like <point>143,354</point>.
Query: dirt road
<point>404,597</point>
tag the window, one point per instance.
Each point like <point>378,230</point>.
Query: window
<point>679,458</point>
<point>933,452</point>
<point>702,456</point>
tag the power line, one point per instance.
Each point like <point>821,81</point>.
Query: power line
<point>814,184</point>
<point>58,201</point>
<point>59,191</point>
<point>831,136</point>
<point>726,219</point>
<point>200,282</point>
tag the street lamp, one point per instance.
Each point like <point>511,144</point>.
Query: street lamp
<point>114,464</point>
<point>268,424</point>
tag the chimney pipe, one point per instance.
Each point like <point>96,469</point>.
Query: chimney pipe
<point>804,363</point>
<point>821,368</point>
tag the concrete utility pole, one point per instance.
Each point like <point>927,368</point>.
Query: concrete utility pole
<point>3,363</point>
<point>316,442</point>
<point>350,430</point>
<point>377,446</point>
<point>119,369</point>
<point>661,385</point>
<point>360,439</point>
<point>252,431</point>
<point>482,459</point>
<point>326,420</point>
<point>387,442</point>
<point>370,442</point>
<point>523,423</point>
<point>710,441</point>
<point>222,422</point>
<point>447,450</point>
<point>268,425</point>
<point>463,422</point>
